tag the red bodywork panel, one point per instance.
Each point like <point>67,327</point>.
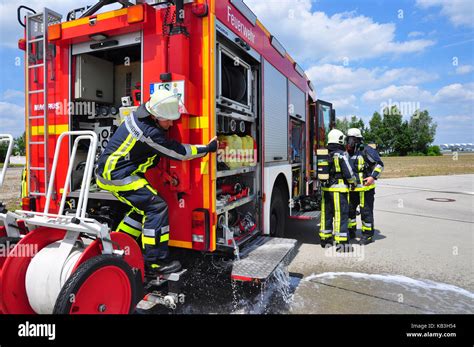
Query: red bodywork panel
<point>186,57</point>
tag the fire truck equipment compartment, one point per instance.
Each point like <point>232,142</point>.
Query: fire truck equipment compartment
<point>94,79</point>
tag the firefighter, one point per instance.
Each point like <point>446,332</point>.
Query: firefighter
<point>366,163</point>
<point>136,146</point>
<point>335,191</point>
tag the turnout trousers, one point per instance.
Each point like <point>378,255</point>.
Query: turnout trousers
<point>147,221</point>
<point>334,216</point>
<point>364,199</point>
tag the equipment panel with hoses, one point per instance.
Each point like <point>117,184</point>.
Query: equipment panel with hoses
<point>238,172</point>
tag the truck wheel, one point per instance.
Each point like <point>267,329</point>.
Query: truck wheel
<point>278,214</point>
<point>104,284</point>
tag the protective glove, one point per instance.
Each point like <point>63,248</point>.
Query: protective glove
<point>212,145</point>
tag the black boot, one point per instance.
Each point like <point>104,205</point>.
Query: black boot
<point>345,247</point>
<point>326,243</point>
<point>365,240</point>
<point>162,267</point>
<point>352,234</point>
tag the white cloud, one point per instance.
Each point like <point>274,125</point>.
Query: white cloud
<point>344,104</point>
<point>459,12</point>
<point>397,94</point>
<point>322,38</point>
<point>12,118</point>
<point>340,83</point>
<point>464,69</point>
<point>460,119</point>
<point>13,94</point>
<point>415,34</point>
<point>409,76</point>
<point>454,93</point>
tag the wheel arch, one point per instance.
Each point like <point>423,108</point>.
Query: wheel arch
<point>274,176</point>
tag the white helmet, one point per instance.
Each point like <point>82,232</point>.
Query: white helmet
<point>336,136</point>
<point>164,104</point>
<point>354,132</point>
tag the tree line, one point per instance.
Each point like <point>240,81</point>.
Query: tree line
<point>395,136</point>
<point>18,147</point>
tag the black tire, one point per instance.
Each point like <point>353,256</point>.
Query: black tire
<point>278,213</point>
<point>72,286</point>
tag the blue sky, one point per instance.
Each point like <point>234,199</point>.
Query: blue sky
<point>360,55</point>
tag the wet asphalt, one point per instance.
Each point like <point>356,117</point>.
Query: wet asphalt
<point>421,262</point>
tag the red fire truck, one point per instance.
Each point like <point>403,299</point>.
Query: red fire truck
<point>237,81</point>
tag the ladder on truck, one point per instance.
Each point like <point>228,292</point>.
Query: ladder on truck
<point>39,52</point>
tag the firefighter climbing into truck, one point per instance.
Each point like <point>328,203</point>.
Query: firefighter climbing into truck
<point>136,146</point>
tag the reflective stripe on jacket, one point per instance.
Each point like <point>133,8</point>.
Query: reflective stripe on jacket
<point>136,146</point>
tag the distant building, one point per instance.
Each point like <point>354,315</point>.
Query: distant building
<point>17,160</point>
<point>454,147</point>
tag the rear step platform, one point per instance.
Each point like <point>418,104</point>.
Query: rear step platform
<point>262,258</point>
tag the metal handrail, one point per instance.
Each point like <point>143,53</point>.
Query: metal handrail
<point>3,138</point>
<point>86,180</point>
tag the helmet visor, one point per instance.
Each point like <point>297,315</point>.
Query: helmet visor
<point>169,108</point>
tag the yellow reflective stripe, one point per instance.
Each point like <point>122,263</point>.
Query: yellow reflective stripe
<point>129,230</point>
<point>323,163</point>
<point>54,129</point>
<point>362,199</point>
<point>181,244</point>
<point>366,228</point>
<point>148,240</point>
<point>143,167</point>
<point>125,201</point>
<point>360,163</point>
<point>377,169</point>
<point>194,150</point>
<point>112,160</point>
<point>24,192</point>
<point>336,164</point>
<point>151,189</point>
<point>132,186</point>
<point>341,190</point>
<point>152,241</point>
<point>337,213</point>
<point>322,224</point>
<point>204,167</point>
<point>199,122</point>
<point>324,236</point>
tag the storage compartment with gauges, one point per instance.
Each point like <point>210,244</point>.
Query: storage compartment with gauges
<point>238,173</point>
<point>106,87</point>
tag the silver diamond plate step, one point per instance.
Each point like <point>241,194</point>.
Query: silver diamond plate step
<point>310,215</point>
<point>262,261</point>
